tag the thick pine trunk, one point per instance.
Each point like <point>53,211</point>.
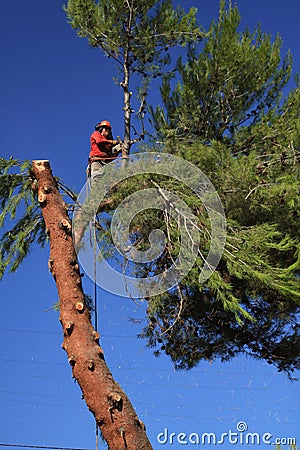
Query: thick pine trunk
<point>119,424</point>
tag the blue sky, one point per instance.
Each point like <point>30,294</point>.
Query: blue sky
<point>54,88</point>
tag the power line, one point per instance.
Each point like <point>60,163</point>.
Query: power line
<point>142,369</point>
<point>147,404</point>
<point>52,405</point>
<point>176,415</point>
<point>33,362</point>
<point>167,385</point>
<point>12,330</point>
<point>36,394</point>
<point>41,446</point>
<point>57,333</point>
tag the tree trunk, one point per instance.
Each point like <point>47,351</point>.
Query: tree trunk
<point>127,110</point>
<point>114,414</point>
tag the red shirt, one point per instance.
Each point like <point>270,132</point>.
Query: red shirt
<point>100,146</point>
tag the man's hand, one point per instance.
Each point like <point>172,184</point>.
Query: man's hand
<point>116,149</point>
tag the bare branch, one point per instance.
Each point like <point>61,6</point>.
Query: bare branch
<point>257,187</point>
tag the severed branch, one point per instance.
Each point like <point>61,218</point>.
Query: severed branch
<point>257,187</point>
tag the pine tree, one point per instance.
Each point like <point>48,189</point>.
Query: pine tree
<point>226,114</point>
<point>138,36</point>
<point>228,83</point>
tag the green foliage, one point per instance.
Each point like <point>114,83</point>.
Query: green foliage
<point>226,114</point>
<point>231,81</point>
<point>138,36</point>
<point>291,447</point>
<point>138,32</point>
<point>251,301</point>
<point>21,221</point>
<point>20,214</point>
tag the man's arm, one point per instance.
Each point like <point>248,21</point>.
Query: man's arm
<point>100,139</point>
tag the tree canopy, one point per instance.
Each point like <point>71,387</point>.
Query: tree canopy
<point>227,115</point>
<point>230,81</point>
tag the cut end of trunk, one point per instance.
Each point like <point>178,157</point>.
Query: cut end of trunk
<point>41,197</point>
<point>41,164</point>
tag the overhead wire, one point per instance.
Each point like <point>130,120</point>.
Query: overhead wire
<point>54,405</point>
<point>145,403</point>
<point>173,385</point>
<point>40,446</point>
<point>57,333</point>
<point>130,368</point>
<point>123,368</point>
<point>174,414</point>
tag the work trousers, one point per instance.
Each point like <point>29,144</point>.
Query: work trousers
<point>97,170</point>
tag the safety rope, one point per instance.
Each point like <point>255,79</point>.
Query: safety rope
<point>95,275</point>
<point>93,239</point>
<point>96,308</point>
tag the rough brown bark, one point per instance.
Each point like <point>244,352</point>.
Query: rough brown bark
<point>119,424</point>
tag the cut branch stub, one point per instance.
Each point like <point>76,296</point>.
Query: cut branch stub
<point>96,336</point>
<point>50,265</point>
<point>72,361</point>
<point>69,327</point>
<point>66,225</point>
<point>41,197</point>
<point>115,401</point>
<point>91,365</point>
<point>79,306</point>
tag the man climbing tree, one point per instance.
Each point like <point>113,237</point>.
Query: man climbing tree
<point>102,149</point>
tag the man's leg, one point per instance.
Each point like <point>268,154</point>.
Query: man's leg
<point>97,169</point>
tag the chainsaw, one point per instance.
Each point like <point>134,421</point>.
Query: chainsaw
<point>117,148</point>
